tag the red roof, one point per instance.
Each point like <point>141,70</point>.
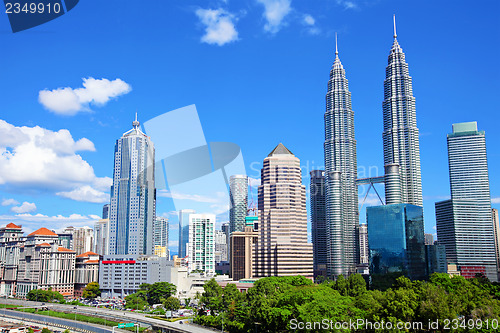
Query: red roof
<point>63,249</point>
<point>42,232</point>
<point>91,262</point>
<point>66,294</point>
<point>86,254</point>
<point>13,226</point>
<point>44,244</point>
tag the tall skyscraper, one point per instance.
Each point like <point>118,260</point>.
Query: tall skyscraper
<point>132,209</point>
<point>221,253</point>
<point>282,248</point>
<point>243,252</point>
<point>400,136</point>
<point>201,246</point>
<point>238,205</point>
<point>184,231</point>
<point>362,232</point>
<point>464,223</point>
<point>83,240</point>
<point>341,173</point>
<point>317,193</point>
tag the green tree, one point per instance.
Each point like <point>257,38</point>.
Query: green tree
<point>172,303</point>
<point>41,295</point>
<point>46,330</point>
<point>187,301</point>
<point>158,291</point>
<point>356,285</point>
<point>212,296</point>
<point>91,291</point>
<point>136,300</point>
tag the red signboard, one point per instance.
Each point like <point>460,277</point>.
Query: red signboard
<point>118,261</point>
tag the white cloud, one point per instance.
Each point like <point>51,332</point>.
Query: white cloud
<point>87,194</point>
<point>275,12</point>
<point>26,207</point>
<point>347,4</point>
<point>9,202</point>
<point>310,23</point>
<point>183,196</point>
<point>68,101</point>
<point>45,160</point>
<point>219,26</point>
<point>495,200</point>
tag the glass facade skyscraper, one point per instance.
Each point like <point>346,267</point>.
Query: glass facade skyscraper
<point>317,193</point>
<point>132,207</point>
<point>238,202</point>
<point>400,136</point>
<point>341,173</point>
<point>396,240</point>
<point>464,223</point>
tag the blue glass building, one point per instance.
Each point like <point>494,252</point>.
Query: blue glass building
<point>396,240</point>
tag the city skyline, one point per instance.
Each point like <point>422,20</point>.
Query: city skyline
<point>434,53</point>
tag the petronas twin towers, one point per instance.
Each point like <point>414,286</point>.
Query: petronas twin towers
<point>401,156</point>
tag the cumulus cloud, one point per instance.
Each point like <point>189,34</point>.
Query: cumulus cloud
<point>219,26</point>
<point>9,202</point>
<point>26,207</point>
<point>495,200</point>
<point>68,101</point>
<point>86,193</point>
<point>275,12</point>
<point>254,182</point>
<point>45,160</point>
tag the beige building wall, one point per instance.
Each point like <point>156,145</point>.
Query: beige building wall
<point>282,248</point>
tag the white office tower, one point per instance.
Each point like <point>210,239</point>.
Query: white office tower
<point>201,246</point>
<point>132,210</point>
<point>340,173</point>
<point>238,202</point>
<point>101,237</point>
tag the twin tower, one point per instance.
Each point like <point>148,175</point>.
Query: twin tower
<point>402,177</point>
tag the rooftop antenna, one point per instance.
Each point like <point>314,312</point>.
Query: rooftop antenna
<point>394,19</point>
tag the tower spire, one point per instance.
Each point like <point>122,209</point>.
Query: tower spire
<point>336,46</point>
<point>135,123</point>
<point>394,20</point>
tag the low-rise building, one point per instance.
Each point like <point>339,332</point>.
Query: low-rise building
<point>121,275</point>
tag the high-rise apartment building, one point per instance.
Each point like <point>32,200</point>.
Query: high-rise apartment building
<point>184,231</point>
<point>83,240</point>
<point>403,180</point>
<point>221,254</point>
<point>201,246</point>
<point>132,207</point>
<point>160,231</point>
<point>364,254</point>
<point>464,223</point>
<point>317,193</point>
<point>282,248</point>
<point>11,240</point>
<point>340,173</point>
<point>238,202</point>
<point>243,252</point>
<point>43,264</point>
<point>101,237</point>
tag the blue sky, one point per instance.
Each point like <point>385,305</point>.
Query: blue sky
<point>257,72</point>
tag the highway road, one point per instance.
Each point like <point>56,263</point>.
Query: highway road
<point>116,315</point>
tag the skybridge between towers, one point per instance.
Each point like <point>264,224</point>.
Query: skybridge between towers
<point>371,181</point>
